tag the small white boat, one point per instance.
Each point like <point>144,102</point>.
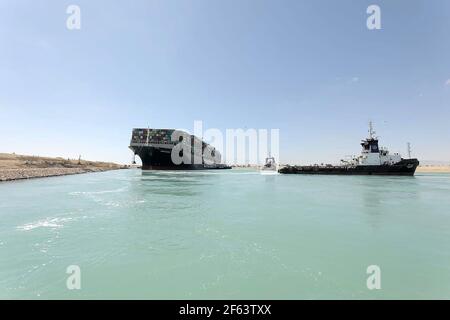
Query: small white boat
<point>270,167</point>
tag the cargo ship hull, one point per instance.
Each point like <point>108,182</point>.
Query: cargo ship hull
<point>406,167</point>
<point>160,159</point>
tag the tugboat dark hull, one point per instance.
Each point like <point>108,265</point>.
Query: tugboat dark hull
<point>406,167</point>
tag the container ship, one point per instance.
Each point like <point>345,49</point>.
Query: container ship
<point>372,161</point>
<point>155,147</point>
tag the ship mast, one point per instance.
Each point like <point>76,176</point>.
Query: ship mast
<point>408,146</point>
<point>371,131</point>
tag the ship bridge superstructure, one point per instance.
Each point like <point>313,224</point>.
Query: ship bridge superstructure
<point>373,155</point>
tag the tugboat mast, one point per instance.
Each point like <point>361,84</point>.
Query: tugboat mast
<point>408,145</point>
<point>371,131</point>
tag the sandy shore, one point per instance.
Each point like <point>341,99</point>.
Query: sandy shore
<point>17,167</point>
<point>437,169</point>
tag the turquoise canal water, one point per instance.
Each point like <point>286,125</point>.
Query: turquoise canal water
<point>225,234</point>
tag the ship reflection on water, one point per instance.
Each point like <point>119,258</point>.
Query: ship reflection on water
<point>384,196</point>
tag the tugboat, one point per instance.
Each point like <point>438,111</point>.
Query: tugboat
<point>372,161</point>
<point>270,167</point>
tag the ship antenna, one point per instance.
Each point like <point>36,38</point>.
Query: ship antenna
<point>408,145</point>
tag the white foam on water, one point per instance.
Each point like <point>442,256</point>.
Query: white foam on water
<point>45,223</point>
<point>268,173</point>
<point>77,193</point>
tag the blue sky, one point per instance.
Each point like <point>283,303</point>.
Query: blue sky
<point>310,68</point>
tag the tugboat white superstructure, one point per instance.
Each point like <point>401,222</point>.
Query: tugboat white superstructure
<point>372,161</point>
